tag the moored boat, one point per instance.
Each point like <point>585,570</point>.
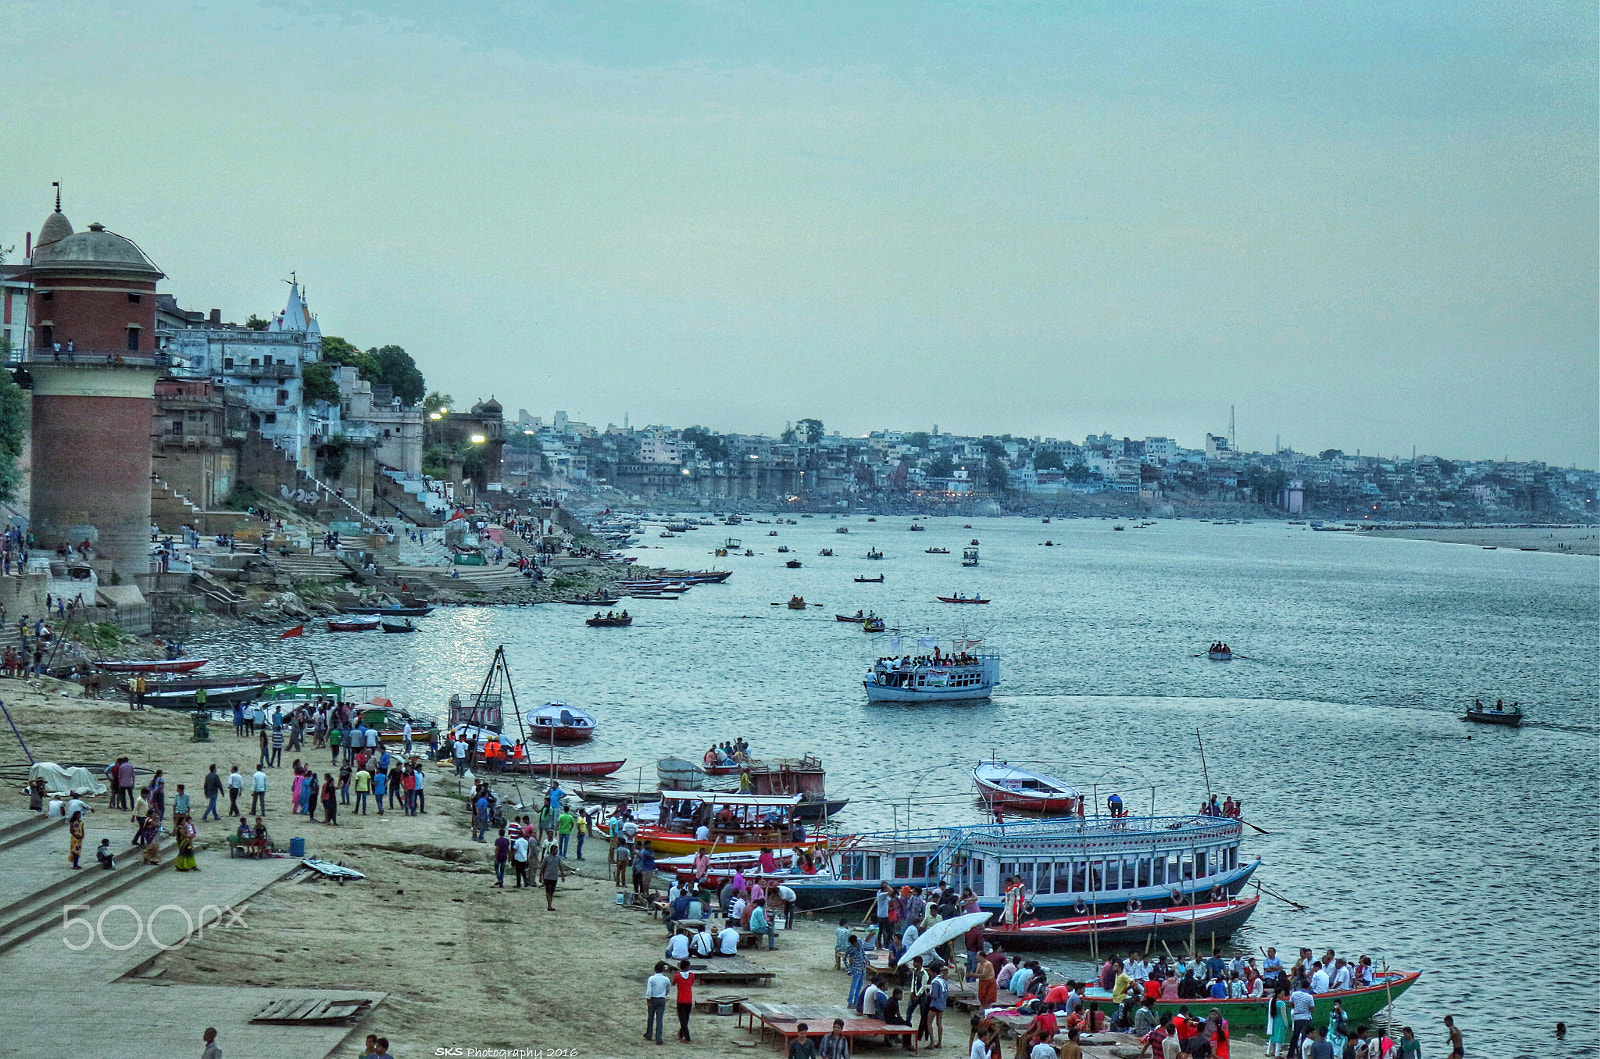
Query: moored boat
<point>389,612</point>
<point>690,820</point>
<point>556,722</point>
<point>169,665</point>
<point>353,624</point>
<point>1211,919</point>
<point>1359,1005</point>
<point>1014,787</point>
<point>405,626</point>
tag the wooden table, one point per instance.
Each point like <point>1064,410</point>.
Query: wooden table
<point>784,1021</point>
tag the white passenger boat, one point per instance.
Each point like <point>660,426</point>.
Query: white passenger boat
<point>965,673</point>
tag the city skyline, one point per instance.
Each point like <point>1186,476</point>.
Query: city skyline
<point>1375,232</point>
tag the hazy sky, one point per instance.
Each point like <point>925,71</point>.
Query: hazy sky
<point>1366,225</point>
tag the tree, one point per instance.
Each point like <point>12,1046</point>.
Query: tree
<point>318,382</point>
<point>1048,460</point>
<point>710,445</point>
<point>940,466</point>
<point>811,429</point>
<point>399,372</point>
<point>998,473</point>
<point>917,439</point>
<point>255,323</point>
<point>336,350</point>
<point>438,402</point>
<point>13,410</point>
<point>1330,454</point>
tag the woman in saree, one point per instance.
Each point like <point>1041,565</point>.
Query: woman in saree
<point>150,838</point>
<point>75,838</point>
<point>183,829</point>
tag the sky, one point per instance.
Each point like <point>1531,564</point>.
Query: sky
<point>1365,226</point>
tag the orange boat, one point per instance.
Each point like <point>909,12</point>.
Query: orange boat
<point>733,823</point>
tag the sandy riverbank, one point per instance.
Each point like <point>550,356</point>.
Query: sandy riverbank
<point>464,964</point>
<point>1570,540</point>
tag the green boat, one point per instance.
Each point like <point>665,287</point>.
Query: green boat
<point>1360,1005</point>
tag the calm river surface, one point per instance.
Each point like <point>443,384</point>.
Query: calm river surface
<point>1464,851</point>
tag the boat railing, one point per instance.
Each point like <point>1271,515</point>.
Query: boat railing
<point>1142,830</point>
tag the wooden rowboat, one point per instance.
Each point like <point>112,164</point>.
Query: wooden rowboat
<point>353,624</point>
<point>1250,1013</point>
<point>170,665</point>
<point>1019,788</point>
<point>1211,919</point>
<point>1509,718</point>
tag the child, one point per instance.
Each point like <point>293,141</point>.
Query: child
<point>841,941</point>
<point>104,856</point>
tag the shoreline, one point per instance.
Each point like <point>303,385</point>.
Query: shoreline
<point>1559,540</point>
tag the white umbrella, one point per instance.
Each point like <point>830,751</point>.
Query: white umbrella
<point>941,932</point>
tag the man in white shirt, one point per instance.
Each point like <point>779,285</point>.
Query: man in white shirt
<point>704,944</point>
<point>405,737</point>
<point>372,739</point>
<point>728,941</point>
<point>1319,978</point>
<point>630,831</point>
<point>736,908</point>
<point>458,750</point>
<point>519,860</point>
<point>56,806</point>
<point>1341,970</point>
<point>678,947</point>
<point>75,805</point>
<point>787,896</point>
<point>655,999</point>
<point>702,833</point>
<point>258,793</point>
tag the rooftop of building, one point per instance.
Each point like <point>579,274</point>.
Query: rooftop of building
<point>96,250</point>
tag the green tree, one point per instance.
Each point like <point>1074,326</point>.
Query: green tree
<point>811,430</point>
<point>336,350</point>
<point>255,323</point>
<point>13,410</point>
<point>318,382</point>
<point>1330,454</point>
<point>998,473</point>
<point>917,439</point>
<point>437,401</point>
<point>399,371</point>
<point>940,466</point>
<point>710,445</point>
<point>1048,460</point>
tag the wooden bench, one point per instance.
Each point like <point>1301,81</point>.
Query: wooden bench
<point>248,847</point>
<point>784,1021</point>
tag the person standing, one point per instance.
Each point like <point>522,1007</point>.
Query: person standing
<point>502,853</point>
<point>1302,1004</point>
<point>213,790</point>
<point>581,827</point>
<point>564,828</point>
<point>655,1002</point>
<point>330,800</point>
<point>1457,1047</point>
<point>380,783</point>
<point>276,760</point>
<point>520,852</point>
<point>258,791</point>
<point>552,870</point>
<point>363,783</point>
<point>183,830</point>
<point>683,979</point>
<point>210,1039</point>
<point>855,961</point>
<point>75,839</point>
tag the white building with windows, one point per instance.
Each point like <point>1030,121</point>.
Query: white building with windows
<point>264,367</point>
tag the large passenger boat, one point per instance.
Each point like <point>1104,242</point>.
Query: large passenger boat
<point>1070,865</point>
<point>963,674</point>
<point>688,821</point>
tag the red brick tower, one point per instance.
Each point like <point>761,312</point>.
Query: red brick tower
<point>93,362</point>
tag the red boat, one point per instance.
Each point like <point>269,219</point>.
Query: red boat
<point>1020,788</point>
<point>583,768</point>
<point>353,624</point>
<point>1214,919</point>
<point>170,665</point>
<point>959,599</point>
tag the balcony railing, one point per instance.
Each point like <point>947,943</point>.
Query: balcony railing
<point>263,371</point>
<point>116,358</point>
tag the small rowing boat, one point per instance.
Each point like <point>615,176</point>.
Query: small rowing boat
<point>556,722</point>
<point>1212,919</point>
<point>961,599</point>
<point>609,621</point>
<point>405,626</point>
<point>873,625</point>
<point>353,624</point>
<point>936,551</point>
<point>1250,1013</point>
<point>793,564</point>
<point>796,603</point>
<point>1499,715</point>
<point>1013,787</point>
<point>870,580</point>
<point>169,665</point>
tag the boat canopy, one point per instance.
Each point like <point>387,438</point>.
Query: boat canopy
<point>763,801</point>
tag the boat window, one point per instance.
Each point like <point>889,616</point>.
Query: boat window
<point>1144,872</point>
<point>902,867</point>
<point>1113,876</point>
<point>1128,873</point>
<point>874,866</point>
<point>1063,881</point>
<point>1233,858</point>
<point>850,865</point>
<point>1160,876</point>
<point>1079,882</point>
<point>975,876</point>
<point>1200,864</point>
<point>919,867</point>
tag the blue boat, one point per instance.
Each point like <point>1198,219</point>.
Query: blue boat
<point>1070,865</point>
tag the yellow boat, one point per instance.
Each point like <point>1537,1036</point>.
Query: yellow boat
<point>732,823</point>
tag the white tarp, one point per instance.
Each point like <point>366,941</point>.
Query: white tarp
<point>58,780</point>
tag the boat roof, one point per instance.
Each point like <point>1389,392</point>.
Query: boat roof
<point>999,771</point>
<point>717,798</point>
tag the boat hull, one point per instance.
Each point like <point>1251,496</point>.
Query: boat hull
<point>171,665</point>
<point>1508,720</point>
<point>883,693</point>
<point>1210,920</point>
<point>1028,803</point>
<point>1360,1005</point>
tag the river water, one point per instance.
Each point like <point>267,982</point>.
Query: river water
<point>1464,851</point>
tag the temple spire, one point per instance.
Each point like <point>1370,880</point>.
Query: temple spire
<point>57,185</point>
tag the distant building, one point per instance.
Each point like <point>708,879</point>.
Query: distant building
<point>1216,446</point>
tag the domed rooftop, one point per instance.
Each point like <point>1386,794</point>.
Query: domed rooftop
<point>55,228</point>
<point>94,251</point>
<point>491,407</point>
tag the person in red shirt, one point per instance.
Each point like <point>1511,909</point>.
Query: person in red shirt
<point>1185,1025</point>
<point>1056,997</point>
<point>684,980</point>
